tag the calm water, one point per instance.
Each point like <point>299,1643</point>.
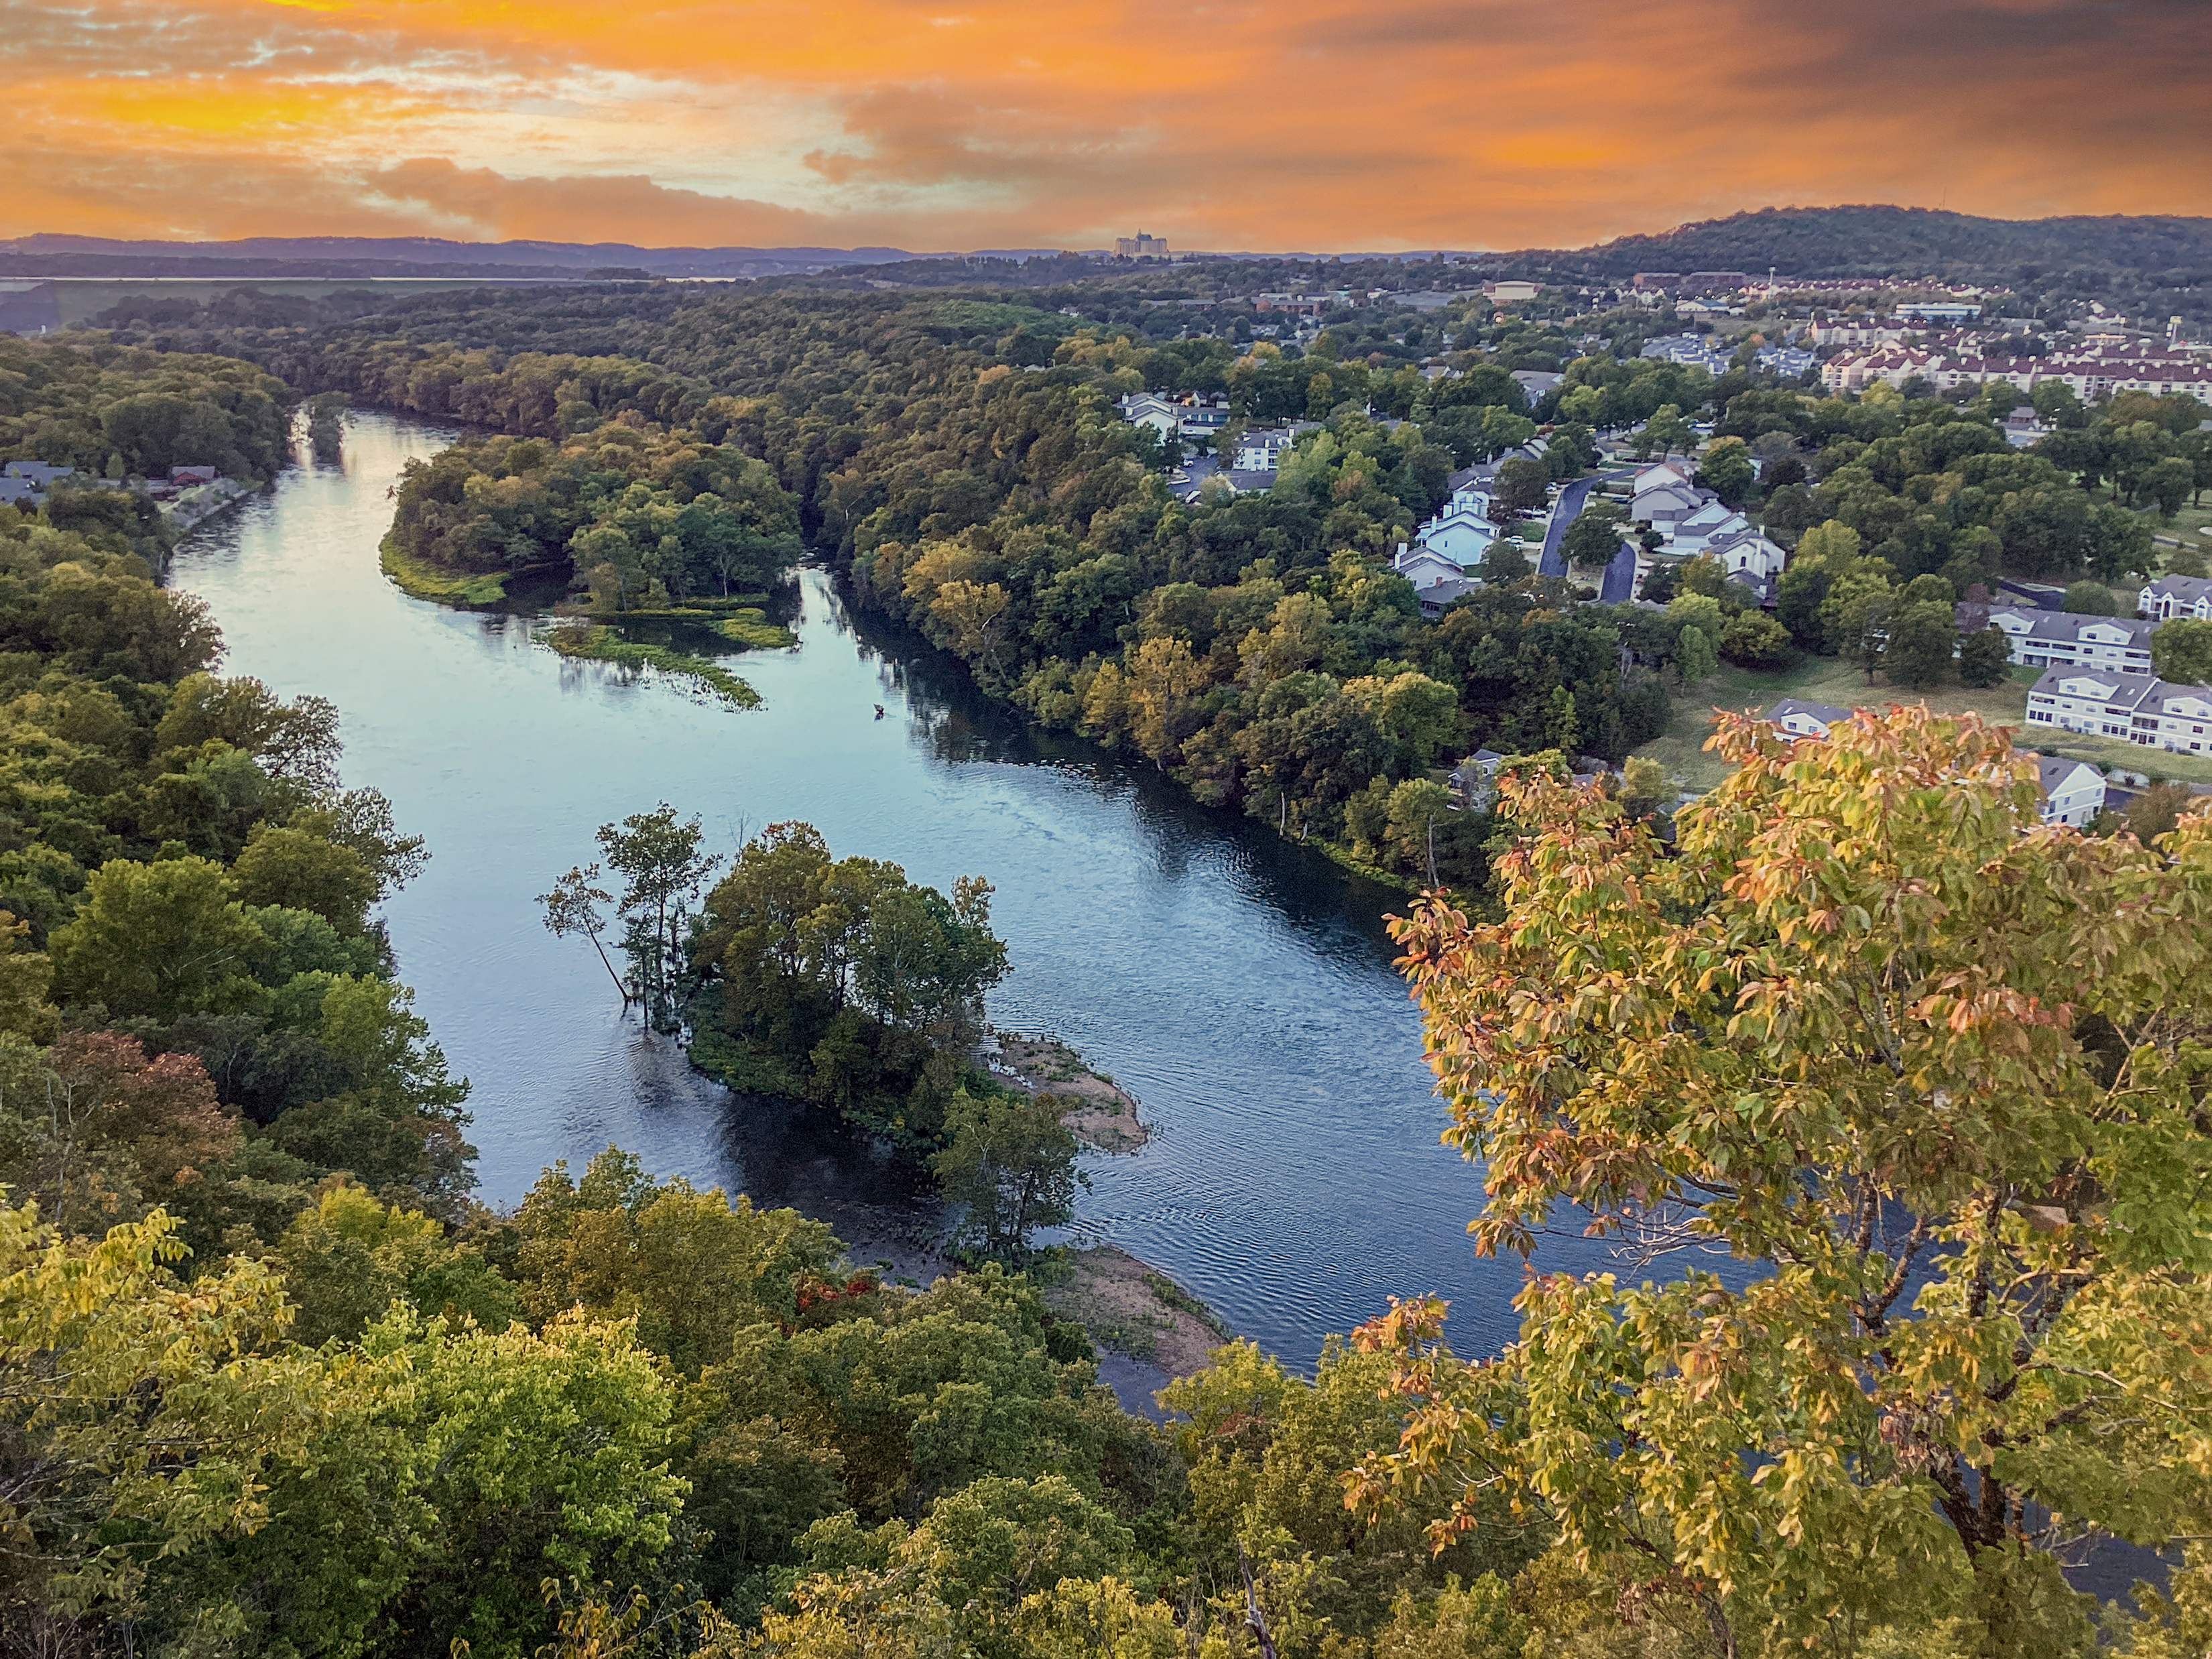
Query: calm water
<point>1239,985</point>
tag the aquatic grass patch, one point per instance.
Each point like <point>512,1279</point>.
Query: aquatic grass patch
<point>752,629</point>
<point>603,644</point>
<point>422,579</point>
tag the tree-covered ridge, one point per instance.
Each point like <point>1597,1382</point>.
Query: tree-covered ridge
<point>201,1013</point>
<point>2156,262</point>
<point>122,410</point>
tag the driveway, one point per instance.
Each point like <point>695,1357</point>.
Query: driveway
<point>1563,512</point>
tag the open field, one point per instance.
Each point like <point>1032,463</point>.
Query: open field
<point>1815,679</point>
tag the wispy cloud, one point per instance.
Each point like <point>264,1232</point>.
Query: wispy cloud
<point>1315,124</point>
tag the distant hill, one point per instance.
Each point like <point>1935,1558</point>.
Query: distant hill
<point>2150,267</point>
<point>270,257</point>
<point>1880,241</point>
<point>2140,263</point>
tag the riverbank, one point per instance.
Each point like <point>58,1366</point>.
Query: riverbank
<point>1132,1309</point>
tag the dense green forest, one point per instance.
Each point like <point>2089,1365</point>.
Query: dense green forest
<point>960,459</point>
<point>272,1384</point>
<point>119,410</point>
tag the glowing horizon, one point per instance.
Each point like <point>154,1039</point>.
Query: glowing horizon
<point>1312,125</point>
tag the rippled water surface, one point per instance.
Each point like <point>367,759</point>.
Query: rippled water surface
<point>1238,985</point>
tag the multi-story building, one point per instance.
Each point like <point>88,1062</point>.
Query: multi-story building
<point>2139,709</point>
<point>2065,639</point>
<point>2072,791</point>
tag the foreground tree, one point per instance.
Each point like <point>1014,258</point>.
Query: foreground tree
<point>1933,1077</point>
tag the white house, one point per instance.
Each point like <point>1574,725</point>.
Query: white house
<point>2132,708</point>
<point>1463,533</point>
<point>1806,720</point>
<point>1149,409</point>
<point>2048,639</point>
<point>1748,553</point>
<point>2071,790</point>
<point>2169,596</point>
<point>1665,505</point>
<point>1711,523</point>
<point>1664,472</point>
<point>1421,565</point>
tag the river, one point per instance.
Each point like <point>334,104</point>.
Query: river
<point>1238,985</point>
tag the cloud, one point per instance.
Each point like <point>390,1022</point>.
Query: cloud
<point>478,205</point>
<point>1318,123</point>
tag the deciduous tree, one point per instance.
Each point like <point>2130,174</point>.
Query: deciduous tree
<point>1930,1072</point>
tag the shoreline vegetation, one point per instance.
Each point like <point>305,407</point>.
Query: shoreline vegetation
<point>422,579</point>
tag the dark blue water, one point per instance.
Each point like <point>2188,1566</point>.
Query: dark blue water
<point>1238,985</point>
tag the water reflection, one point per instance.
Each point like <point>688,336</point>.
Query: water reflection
<point>1238,984</point>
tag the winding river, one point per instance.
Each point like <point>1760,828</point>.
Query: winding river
<point>1239,985</point>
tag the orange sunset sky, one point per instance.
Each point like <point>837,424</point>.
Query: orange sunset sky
<point>1322,125</point>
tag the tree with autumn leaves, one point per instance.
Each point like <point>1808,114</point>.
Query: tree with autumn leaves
<point>1894,1100</point>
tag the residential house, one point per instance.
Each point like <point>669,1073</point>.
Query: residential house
<point>1463,531</point>
<point>1664,472</point>
<point>2070,791</point>
<point>1188,416</point>
<point>1435,599</point>
<point>2048,639</point>
<point>1748,552</point>
<point>1536,382</point>
<point>1789,362</point>
<point>1420,564</point>
<point>2132,708</point>
<point>2169,596</point>
<point>1712,521</point>
<point>2023,427</point>
<point>1150,408</point>
<point>1665,505</point>
<point>1801,718</point>
<point>1475,779</point>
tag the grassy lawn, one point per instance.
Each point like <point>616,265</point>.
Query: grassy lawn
<point>2184,528</point>
<point>1825,679</point>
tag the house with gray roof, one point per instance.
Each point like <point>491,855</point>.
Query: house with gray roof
<point>2169,596</point>
<point>2051,639</point>
<point>2139,709</point>
<point>2069,791</point>
<point>1801,718</point>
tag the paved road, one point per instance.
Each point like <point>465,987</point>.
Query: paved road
<point>1620,585</point>
<point>1553,562</point>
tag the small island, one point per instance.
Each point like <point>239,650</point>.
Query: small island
<point>1098,1111</point>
